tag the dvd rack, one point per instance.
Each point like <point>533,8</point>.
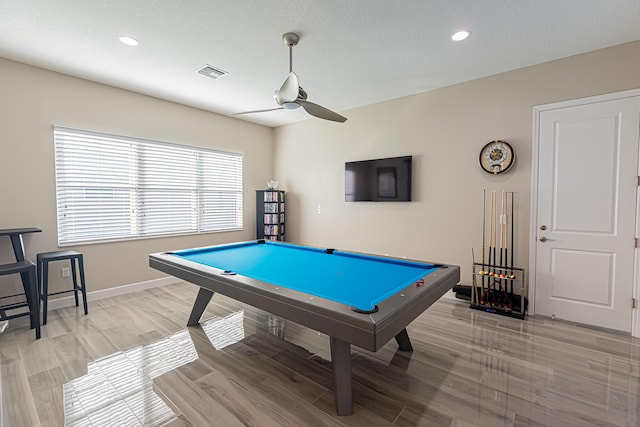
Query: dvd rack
<point>270,214</point>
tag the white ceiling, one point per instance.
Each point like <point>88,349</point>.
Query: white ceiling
<point>351,53</point>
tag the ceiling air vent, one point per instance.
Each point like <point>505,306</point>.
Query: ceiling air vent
<point>211,71</point>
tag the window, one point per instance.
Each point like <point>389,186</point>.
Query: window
<point>112,187</point>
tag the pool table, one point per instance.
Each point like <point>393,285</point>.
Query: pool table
<point>354,298</point>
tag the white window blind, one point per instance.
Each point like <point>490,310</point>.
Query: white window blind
<point>112,187</point>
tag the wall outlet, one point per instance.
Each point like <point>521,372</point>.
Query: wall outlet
<point>66,272</point>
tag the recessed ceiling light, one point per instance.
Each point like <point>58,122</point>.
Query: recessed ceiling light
<point>460,35</point>
<point>129,41</point>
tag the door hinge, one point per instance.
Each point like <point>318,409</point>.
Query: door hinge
<point>635,242</point>
<point>634,303</point>
<point>638,181</point>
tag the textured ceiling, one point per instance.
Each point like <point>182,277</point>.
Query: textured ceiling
<point>351,53</point>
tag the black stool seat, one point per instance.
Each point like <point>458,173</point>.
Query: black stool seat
<point>27,271</point>
<point>58,255</point>
<point>43,261</point>
<point>16,267</point>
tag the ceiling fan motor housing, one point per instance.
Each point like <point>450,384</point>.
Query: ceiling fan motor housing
<point>291,96</point>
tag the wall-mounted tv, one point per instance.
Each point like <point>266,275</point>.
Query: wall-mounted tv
<point>378,180</point>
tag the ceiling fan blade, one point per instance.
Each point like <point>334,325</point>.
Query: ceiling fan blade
<point>256,111</point>
<point>288,92</point>
<point>321,112</point>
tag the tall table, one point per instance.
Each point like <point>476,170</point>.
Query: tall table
<point>15,234</point>
<point>17,242</point>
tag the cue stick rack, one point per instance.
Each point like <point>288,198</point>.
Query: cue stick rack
<point>498,285</point>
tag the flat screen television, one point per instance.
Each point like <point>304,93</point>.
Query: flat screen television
<point>378,180</point>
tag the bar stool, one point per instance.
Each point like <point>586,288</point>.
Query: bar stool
<point>27,271</point>
<point>43,261</point>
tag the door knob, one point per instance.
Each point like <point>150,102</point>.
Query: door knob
<point>543,227</point>
<point>543,239</point>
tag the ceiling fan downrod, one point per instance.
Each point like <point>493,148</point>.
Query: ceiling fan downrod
<point>291,40</point>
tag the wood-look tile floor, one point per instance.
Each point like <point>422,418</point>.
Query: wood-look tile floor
<point>132,362</point>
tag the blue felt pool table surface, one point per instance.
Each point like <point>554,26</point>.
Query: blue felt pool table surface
<point>358,280</point>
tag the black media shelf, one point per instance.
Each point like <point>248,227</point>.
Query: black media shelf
<point>270,206</point>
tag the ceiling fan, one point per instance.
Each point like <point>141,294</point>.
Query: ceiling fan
<point>291,96</point>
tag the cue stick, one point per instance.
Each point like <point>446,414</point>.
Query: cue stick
<point>497,252</point>
<point>503,242</point>
<point>506,245</point>
<point>492,245</point>
<point>484,213</point>
<point>494,297</point>
<point>500,244</point>
<point>512,243</point>
<point>474,282</point>
<point>485,291</point>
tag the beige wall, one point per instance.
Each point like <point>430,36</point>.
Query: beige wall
<point>444,130</point>
<point>33,100</point>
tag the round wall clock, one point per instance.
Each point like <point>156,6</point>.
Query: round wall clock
<point>497,157</point>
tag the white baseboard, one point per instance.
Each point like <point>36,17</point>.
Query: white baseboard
<point>70,301</point>
<point>112,292</point>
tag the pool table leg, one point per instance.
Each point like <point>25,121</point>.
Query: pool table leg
<point>202,300</point>
<point>403,341</point>
<point>341,362</point>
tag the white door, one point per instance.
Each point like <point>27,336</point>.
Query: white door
<point>586,212</point>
